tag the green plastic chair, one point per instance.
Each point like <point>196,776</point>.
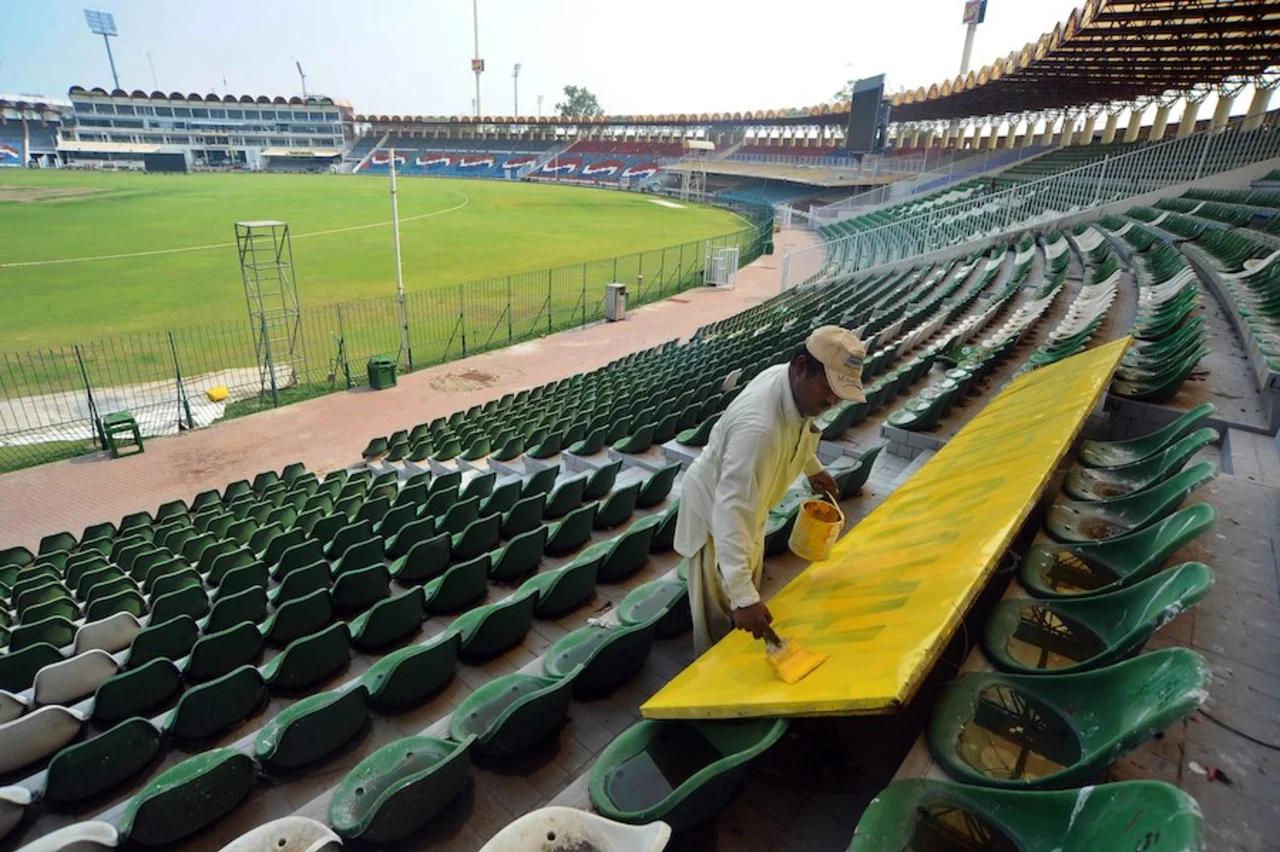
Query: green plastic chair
<point>192,601</point>
<point>1030,636</point>
<point>684,772</point>
<point>1116,453</point>
<point>666,602</point>
<point>602,480</point>
<point>216,654</point>
<point>603,657</point>
<point>407,677</point>
<point>520,556</point>
<point>524,516</point>
<point>618,507</point>
<point>169,640</point>
<point>626,554</point>
<point>135,692</point>
<point>563,590</point>
<point>309,659</point>
<point>1086,483</point>
<point>424,561</point>
<point>511,713</point>
<point>461,584</point>
<point>92,767</point>
<point>298,617</point>
<point>217,706</point>
<point>248,604</point>
<point>657,487</point>
<point>399,788</point>
<point>565,497</point>
<point>1101,520</point>
<point>572,531</point>
<point>479,537</point>
<point>389,621</point>
<point>487,631</point>
<point>923,814</point>
<point>188,797</point>
<point>540,482</point>
<point>1045,732</point>
<point>360,589</point>
<point>311,729</point>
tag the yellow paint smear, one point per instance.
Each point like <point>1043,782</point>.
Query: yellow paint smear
<point>895,588</point>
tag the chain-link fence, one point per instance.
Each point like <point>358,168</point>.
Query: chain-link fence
<point>52,399</point>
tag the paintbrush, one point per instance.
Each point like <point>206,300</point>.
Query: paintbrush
<point>790,661</point>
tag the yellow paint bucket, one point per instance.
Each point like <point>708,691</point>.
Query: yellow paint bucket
<point>818,524</point>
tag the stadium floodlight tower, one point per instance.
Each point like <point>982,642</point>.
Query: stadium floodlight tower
<point>975,12</point>
<point>266,268</point>
<point>104,24</point>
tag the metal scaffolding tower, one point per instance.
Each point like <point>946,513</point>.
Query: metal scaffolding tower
<point>266,268</point>
<point>693,180</point>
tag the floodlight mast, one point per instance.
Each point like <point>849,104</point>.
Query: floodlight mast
<point>515,83</point>
<point>104,24</point>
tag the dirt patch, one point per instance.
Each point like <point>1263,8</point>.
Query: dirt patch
<point>469,380</point>
<point>24,194</point>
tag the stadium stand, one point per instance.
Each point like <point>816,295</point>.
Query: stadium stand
<point>12,145</point>
<point>172,608</point>
<point>459,629</point>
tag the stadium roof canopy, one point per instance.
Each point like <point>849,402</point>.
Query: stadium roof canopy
<point>1113,51</point>
<point>196,97</point>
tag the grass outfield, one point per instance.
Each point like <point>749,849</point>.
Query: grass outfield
<point>451,231</point>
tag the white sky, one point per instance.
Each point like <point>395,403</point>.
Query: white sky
<point>414,56</point>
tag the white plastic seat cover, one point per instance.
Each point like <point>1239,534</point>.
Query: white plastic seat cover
<point>555,828</point>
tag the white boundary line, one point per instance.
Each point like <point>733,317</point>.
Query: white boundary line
<point>465,201</point>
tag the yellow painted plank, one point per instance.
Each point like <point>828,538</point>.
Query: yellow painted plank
<point>895,588</point>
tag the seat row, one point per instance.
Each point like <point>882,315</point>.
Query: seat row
<point>1012,739</point>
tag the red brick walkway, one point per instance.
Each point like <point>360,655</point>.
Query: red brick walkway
<point>330,432</point>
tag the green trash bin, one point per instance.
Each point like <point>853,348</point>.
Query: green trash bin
<point>382,372</point>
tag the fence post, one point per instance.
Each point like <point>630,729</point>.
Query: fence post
<point>88,391</point>
<point>1204,155</point>
<point>342,349</point>
<point>1102,174</point>
<point>271,364</point>
<point>584,295</point>
<point>549,292</point>
<point>462,319</point>
<point>183,403</point>
<point>511,335</point>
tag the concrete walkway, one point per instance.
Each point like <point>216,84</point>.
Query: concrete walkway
<point>331,431</point>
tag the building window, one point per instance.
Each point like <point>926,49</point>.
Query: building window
<point>251,115</point>
<point>217,113</point>
<point>182,112</point>
<point>235,114</point>
<point>198,112</point>
<point>124,109</point>
<point>164,111</point>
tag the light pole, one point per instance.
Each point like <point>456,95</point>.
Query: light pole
<point>515,86</point>
<point>405,352</point>
<point>104,24</point>
<point>539,106</point>
<point>477,64</point>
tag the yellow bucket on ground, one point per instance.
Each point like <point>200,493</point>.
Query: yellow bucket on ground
<point>818,524</point>
<point>217,394</point>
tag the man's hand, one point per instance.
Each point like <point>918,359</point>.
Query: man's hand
<point>825,483</point>
<point>753,619</point>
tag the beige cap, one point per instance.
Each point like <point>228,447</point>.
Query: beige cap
<point>842,354</point>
